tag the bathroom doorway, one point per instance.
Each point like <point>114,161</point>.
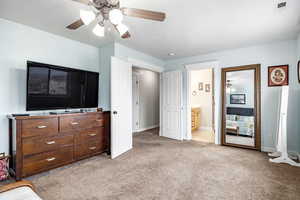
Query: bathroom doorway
<point>202,105</point>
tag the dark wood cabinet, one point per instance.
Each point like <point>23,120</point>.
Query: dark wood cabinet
<point>41,143</point>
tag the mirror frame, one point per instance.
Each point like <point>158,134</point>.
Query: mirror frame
<point>257,107</point>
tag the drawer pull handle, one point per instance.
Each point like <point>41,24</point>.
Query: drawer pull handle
<point>92,148</point>
<point>92,134</point>
<point>51,159</point>
<point>99,120</point>
<point>74,123</point>
<point>50,142</point>
<point>40,127</point>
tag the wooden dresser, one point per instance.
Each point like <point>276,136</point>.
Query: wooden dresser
<point>40,143</point>
<point>195,118</point>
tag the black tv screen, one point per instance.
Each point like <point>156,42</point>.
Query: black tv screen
<point>53,87</point>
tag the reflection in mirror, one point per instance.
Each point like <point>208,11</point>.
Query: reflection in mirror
<point>239,107</point>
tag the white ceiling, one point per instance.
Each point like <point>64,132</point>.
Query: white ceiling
<point>192,27</point>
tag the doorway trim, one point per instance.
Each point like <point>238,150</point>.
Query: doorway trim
<point>136,96</point>
<point>214,65</point>
<point>156,68</point>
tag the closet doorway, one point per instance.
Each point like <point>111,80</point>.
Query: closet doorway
<point>145,100</point>
<point>202,105</point>
<point>241,107</point>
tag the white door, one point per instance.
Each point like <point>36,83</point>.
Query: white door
<point>135,102</point>
<point>172,105</point>
<point>121,107</point>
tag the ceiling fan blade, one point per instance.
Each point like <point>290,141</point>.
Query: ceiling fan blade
<point>75,25</point>
<point>145,14</point>
<point>87,2</point>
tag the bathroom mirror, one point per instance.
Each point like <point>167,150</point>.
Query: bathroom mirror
<point>241,106</point>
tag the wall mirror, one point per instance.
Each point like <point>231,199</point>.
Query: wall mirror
<point>241,107</point>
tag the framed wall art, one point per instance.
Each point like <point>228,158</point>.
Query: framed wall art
<point>200,86</point>
<point>278,75</point>
<point>207,87</point>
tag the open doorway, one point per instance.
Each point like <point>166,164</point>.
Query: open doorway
<point>202,105</point>
<point>145,100</point>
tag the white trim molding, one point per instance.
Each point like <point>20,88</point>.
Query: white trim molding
<point>268,149</point>
<point>145,65</point>
<point>145,129</point>
<point>217,88</point>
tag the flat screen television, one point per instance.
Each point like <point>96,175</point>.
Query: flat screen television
<point>52,87</point>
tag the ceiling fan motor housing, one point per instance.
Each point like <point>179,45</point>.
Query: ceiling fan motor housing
<point>105,6</point>
<point>99,4</point>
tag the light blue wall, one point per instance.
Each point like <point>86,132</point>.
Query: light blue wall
<point>19,43</point>
<point>106,53</point>
<point>266,55</point>
<point>122,52</point>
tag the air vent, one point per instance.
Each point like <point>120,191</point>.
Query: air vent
<point>281,4</point>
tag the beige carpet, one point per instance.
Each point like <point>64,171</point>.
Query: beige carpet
<point>163,169</point>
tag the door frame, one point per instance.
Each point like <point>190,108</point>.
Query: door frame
<point>137,93</point>
<point>134,62</point>
<point>156,68</point>
<point>257,109</point>
<point>214,65</point>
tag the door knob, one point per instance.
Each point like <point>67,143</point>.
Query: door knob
<point>115,112</point>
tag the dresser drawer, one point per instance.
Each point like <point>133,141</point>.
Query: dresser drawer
<point>99,120</point>
<point>44,144</point>
<point>35,127</point>
<point>71,123</point>
<point>45,161</point>
<point>95,134</point>
<point>88,149</point>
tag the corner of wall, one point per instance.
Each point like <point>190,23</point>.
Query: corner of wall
<point>125,52</point>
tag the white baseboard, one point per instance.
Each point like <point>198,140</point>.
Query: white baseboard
<point>205,128</point>
<point>145,129</point>
<point>268,149</point>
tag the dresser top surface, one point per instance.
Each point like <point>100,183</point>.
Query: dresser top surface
<point>42,116</point>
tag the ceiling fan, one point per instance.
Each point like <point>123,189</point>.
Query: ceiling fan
<point>109,11</point>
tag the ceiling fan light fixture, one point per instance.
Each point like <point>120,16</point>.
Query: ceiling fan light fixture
<point>113,2</point>
<point>122,29</point>
<point>99,30</point>
<point>87,16</point>
<point>116,16</point>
